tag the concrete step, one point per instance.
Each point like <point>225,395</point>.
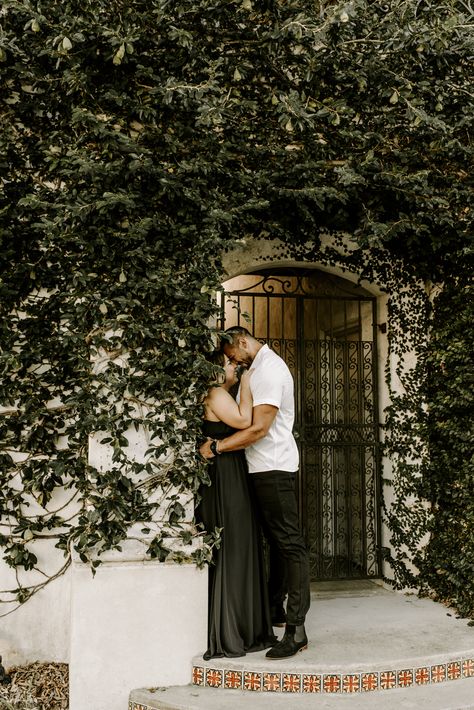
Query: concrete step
<point>365,642</point>
<point>457,695</point>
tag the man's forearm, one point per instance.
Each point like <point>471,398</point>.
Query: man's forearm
<point>241,439</point>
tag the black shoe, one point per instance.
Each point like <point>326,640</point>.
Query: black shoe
<point>287,647</point>
<point>278,616</point>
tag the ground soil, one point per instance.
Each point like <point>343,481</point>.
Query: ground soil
<point>37,686</point>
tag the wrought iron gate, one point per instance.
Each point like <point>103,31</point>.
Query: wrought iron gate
<point>325,329</point>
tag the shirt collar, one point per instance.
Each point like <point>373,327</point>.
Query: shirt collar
<point>259,356</point>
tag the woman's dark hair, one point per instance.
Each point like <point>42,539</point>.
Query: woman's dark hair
<point>217,357</point>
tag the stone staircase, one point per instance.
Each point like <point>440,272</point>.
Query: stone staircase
<point>369,647</point>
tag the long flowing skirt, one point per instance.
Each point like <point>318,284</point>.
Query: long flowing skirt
<point>238,615</point>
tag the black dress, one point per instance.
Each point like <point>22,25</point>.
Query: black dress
<point>238,615</point>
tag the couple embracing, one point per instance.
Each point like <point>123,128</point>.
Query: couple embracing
<point>253,463</point>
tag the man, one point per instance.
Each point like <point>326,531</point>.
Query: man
<point>272,457</point>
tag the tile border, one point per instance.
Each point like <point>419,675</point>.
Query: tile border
<point>344,683</point>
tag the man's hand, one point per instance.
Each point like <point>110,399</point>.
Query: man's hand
<point>205,450</point>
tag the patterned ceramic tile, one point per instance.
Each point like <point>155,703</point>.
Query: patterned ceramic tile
<point>468,668</point>
<point>311,683</point>
<point>291,683</point>
<point>388,680</point>
<point>272,682</point>
<point>369,681</point>
<point>252,681</point>
<point>213,678</point>
<point>453,670</point>
<point>351,683</point>
<point>332,683</point>
<point>422,675</point>
<point>233,679</point>
<point>198,675</point>
<point>438,673</point>
<point>405,678</point>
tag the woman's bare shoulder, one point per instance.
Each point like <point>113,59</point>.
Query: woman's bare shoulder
<point>216,398</point>
<point>217,394</point>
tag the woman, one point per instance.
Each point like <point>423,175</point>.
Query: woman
<point>238,615</point>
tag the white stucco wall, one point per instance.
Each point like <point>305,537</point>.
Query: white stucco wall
<point>136,624</point>
<point>40,629</point>
<point>139,622</point>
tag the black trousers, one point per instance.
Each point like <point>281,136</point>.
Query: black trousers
<point>289,566</point>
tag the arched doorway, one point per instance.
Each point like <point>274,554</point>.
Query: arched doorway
<point>324,327</point>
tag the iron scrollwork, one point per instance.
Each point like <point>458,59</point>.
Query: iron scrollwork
<point>316,326</point>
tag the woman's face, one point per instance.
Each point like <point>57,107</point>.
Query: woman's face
<point>230,372</point>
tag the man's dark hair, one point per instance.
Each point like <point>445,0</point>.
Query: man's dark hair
<point>231,334</point>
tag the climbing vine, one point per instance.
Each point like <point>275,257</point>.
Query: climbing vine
<point>141,140</point>
<point>447,561</point>
<point>403,434</point>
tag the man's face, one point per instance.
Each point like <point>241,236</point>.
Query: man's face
<point>238,353</point>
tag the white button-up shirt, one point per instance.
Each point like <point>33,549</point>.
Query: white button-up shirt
<point>271,383</point>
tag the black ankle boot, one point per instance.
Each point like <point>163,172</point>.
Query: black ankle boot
<point>288,646</point>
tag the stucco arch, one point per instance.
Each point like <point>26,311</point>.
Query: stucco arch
<point>257,255</point>
<point>253,255</point>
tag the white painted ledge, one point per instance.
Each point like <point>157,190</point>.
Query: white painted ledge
<point>137,622</point>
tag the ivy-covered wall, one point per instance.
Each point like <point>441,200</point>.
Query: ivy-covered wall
<point>447,563</point>
<point>139,141</point>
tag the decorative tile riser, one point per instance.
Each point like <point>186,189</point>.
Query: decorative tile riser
<point>344,683</point>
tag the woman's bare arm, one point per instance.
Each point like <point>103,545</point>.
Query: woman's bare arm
<point>221,406</point>
<point>263,416</point>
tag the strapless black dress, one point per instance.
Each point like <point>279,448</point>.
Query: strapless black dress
<point>239,614</point>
